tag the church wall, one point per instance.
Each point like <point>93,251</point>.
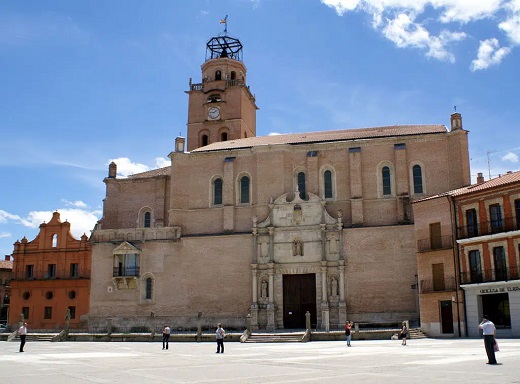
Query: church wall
<point>380,269</point>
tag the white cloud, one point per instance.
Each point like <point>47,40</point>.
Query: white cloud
<point>4,234</point>
<point>126,167</point>
<point>510,156</point>
<point>274,134</point>
<point>399,21</point>
<point>489,53</point>
<point>161,162</point>
<point>77,203</point>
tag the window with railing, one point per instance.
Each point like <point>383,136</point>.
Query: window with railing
<point>499,258</point>
<point>51,271</point>
<point>74,270</point>
<point>475,266</point>
<point>517,213</point>
<point>472,222</point>
<point>29,271</point>
<point>495,214</point>
<point>126,265</point>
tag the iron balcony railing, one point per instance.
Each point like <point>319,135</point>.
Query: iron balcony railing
<point>505,224</point>
<point>228,84</point>
<point>433,285</point>
<point>45,276</point>
<point>435,243</point>
<point>126,272</point>
<point>490,275</point>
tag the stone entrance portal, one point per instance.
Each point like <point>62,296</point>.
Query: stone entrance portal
<point>299,296</point>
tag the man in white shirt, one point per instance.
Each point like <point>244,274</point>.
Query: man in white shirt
<point>165,336</point>
<point>22,332</point>
<point>489,330</point>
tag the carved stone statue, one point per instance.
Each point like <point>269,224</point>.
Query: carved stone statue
<point>334,289</point>
<point>263,290</point>
<point>297,248</point>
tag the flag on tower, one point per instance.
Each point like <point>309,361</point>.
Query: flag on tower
<point>223,21</point>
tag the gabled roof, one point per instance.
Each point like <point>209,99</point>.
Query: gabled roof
<point>500,181</point>
<point>6,264</point>
<point>165,171</point>
<point>325,136</point>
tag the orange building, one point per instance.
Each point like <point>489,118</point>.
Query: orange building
<point>51,278</point>
<point>6,271</point>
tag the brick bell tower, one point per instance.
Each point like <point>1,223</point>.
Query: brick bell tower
<point>221,107</point>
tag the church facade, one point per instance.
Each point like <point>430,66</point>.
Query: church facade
<point>269,226</point>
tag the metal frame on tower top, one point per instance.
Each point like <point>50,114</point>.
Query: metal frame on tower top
<point>224,46</point>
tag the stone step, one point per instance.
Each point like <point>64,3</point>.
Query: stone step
<point>275,338</point>
<point>416,333</point>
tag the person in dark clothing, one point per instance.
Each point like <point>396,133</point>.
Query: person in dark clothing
<point>22,332</point>
<point>165,336</point>
<point>489,330</point>
<point>220,334</point>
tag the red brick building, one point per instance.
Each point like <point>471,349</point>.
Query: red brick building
<point>6,271</point>
<point>51,276</point>
<point>468,257</point>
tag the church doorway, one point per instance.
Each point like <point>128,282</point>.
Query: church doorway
<point>299,296</point>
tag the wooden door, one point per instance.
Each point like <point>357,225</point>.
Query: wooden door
<point>299,296</point>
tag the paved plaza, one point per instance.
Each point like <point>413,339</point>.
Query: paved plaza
<point>421,361</point>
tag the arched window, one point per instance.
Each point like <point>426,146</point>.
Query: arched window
<point>301,185</point>
<point>204,140</point>
<point>54,241</point>
<point>217,192</point>
<point>147,219</point>
<point>148,292</point>
<point>244,190</point>
<point>218,75</point>
<point>417,179</point>
<point>233,75</point>
<point>327,184</point>
<point>387,182</point>
<point>223,136</point>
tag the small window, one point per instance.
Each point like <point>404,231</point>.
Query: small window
<point>204,140</point>
<point>29,271</point>
<point>54,241</point>
<point>244,190</point>
<point>301,185</point>
<point>233,75</point>
<point>47,313</point>
<point>72,312</point>
<point>148,293</point>
<point>224,136</point>
<point>72,295</point>
<point>74,270</point>
<point>25,312</point>
<point>26,295</point>
<point>387,182</point>
<point>147,219</point>
<point>218,75</point>
<point>49,295</point>
<point>217,192</point>
<point>327,181</point>
<point>51,271</point>
<point>417,179</point>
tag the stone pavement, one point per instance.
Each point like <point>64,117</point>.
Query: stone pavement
<point>387,362</point>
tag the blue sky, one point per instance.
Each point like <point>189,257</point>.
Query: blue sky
<point>87,82</point>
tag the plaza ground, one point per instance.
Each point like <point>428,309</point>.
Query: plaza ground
<point>421,361</point>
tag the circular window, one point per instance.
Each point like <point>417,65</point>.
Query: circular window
<point>49,295</point>
<point>26,295</point>
<point>72,295</point>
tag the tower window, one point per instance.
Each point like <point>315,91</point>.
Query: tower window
<point>54,241</point>
<point>387,186</point>
<point>147,219</point>
<point>327,181</point>
<point>244,190</point>
<point>217,192</point>
<point>218,75</point>
<point>301,185</point>
<point>233,75</point>
<point>223,136</point>
<point>214,98</point>
<point>204,140</point>
<point>417,179</point>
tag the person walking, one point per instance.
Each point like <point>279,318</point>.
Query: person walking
<point>220,334</point>
<point>22,332</point>
<point>489,331</point>
<point>348,332</point>
<point>165,336</point>
<point>404,333</point>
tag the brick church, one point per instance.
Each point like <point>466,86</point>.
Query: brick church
<point>271,226</point>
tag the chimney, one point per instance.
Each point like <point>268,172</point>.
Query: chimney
<point>7,257</point>
<point>480,178</point>
<point>456,121</point>
<point>179,144</point>
<point>112,170</point>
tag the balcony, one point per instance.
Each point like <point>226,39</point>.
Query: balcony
<point>45,276</point>
<point>489,228</point>
<point>490,275</point>
<point>435,243</point>
<point>126,272</point>
<point>431,285</point>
